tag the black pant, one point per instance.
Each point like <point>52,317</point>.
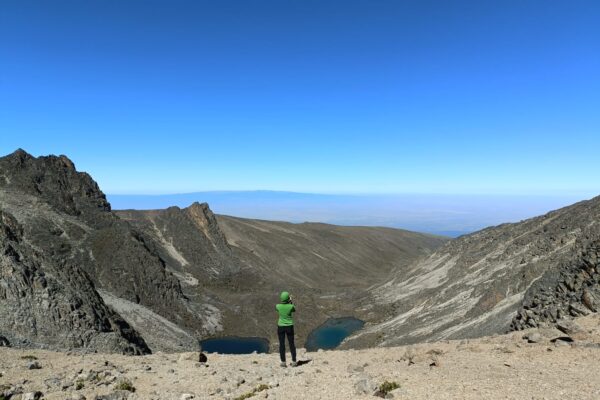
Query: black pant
<point>282,331</point>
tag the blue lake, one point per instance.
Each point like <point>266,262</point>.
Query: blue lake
<point>330,334</point>
<point>235,345</point>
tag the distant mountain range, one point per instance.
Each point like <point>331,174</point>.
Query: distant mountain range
<point>448,215</point>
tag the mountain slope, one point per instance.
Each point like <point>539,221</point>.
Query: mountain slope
<point>319,255</point>
<point>478,284</point>
<point>237,266</point>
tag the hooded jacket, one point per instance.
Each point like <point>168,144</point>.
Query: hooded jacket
<point>285,309</point>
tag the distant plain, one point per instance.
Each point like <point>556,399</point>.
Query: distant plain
<point>442,214</point>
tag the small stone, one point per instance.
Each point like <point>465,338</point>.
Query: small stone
<point>32,396</point>
<point>187,396</point>
<point>435,362</point>
<point>4,342</point>
<point>533,337</point>
<point>34,365</point>
<point>116,395</point>
<point>52,382</point>
<point>355,369</point>
<point>171,371</point>
<point>192,356</point>
<point>365,385</point>
<point>240,381</point>
<point>559,342</point>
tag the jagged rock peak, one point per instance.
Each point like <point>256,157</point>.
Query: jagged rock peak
<point>202,207</point>
<point>201,211</point>
<point>20,154</point>
<point>53,178</point>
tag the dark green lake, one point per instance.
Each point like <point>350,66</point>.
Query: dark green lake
<point>235,345</point>
<point>331,333</point>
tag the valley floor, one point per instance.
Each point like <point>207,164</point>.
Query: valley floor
<point>498,367</point>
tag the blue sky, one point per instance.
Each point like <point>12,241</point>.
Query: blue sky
<point>348,96</point>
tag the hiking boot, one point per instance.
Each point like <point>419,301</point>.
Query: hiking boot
<point>294,364</point>
<point>283,365</point>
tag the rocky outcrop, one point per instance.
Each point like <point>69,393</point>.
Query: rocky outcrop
<point>61,242</point>
<point>53,179</point>
<point>571,290</point>
<point>52,303</point>
<point>190,240</point>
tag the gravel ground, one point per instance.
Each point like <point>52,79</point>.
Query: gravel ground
<point>499,367</point>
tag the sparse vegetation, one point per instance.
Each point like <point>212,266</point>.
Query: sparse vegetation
<point>2,389</point>
<point>254,391</point>
<point>125,384</point>
<point>28,357</point>
<point>79,384</point>
<point>386,387</point>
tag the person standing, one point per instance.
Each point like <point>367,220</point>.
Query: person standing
<point>285,327</point>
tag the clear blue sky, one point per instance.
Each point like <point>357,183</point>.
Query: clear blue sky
<point>319,96</point>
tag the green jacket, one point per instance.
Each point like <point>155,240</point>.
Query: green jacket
<point>285,311</point>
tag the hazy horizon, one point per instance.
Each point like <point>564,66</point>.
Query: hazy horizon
<point>450,215</point>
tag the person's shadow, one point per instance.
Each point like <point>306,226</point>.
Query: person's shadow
<point>302,362</point>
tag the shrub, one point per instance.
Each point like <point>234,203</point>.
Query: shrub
<point>125,384</point>
<point>386,387</point>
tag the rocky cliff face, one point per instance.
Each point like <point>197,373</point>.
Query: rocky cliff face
<point>507,277</point>
<point>59,232</point>
<point>48,301</point>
